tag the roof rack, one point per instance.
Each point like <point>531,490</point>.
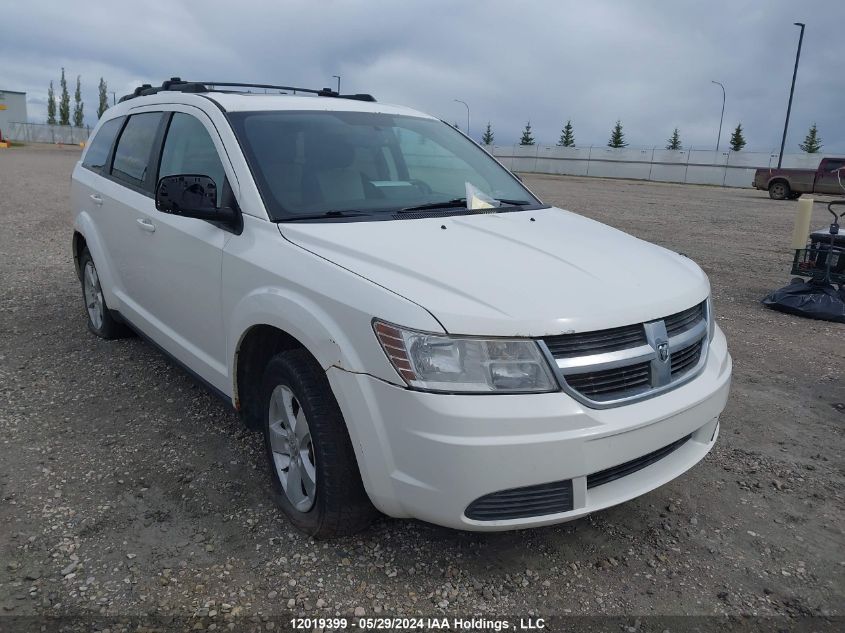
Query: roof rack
<point>176,84</point>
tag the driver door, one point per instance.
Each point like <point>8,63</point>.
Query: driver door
<point>180,289</point>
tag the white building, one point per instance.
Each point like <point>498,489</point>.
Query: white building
<point>12,109</point>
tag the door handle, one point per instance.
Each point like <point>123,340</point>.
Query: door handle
<point>146,224</point>
<point>97,199</point>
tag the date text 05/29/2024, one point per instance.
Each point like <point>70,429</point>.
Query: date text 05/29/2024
<point>440,624</point>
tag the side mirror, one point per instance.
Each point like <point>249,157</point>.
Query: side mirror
<point>192,196</point>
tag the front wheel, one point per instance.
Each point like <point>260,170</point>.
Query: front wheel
<point>315,474</point>
<point>779,190</point>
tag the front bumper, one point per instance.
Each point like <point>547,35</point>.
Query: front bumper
<point>429,456</point>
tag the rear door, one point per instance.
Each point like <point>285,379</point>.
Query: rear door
<point>827,181</point>
<point>88,200</point>
<point>126,193</point>
<point>176,271</point>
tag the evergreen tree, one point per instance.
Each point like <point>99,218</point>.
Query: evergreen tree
<point>487,138</point>
<point>674,141</point>
<point>812,142</point>
<point>526,138</point>
<point>51,105</point>
<point>567,137</point>
<point>64,102</point>
<point>104,98</point>
<point>77,104</point>
<point>617,136</point>
<point>737,139</point>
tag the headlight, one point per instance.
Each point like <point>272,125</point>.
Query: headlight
<point>435,362</point>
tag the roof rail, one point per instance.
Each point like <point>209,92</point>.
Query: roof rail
<point>175,84</point>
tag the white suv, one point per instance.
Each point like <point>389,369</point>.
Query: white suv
<point>408,325</point>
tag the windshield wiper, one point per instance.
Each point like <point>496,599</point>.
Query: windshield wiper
<point>446,204</point>
<point>460,202</point>
<point>327,214</point>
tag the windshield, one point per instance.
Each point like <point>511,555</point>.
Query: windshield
<point>362,164</point>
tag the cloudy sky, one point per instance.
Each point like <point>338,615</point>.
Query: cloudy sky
<point>648,63</point>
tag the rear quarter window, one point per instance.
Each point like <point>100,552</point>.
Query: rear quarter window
<point>134,148</point>
<point>100,146</point>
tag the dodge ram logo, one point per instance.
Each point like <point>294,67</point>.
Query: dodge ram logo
<point>663,352</point>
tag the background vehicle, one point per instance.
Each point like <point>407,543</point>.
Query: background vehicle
<point>788,184</point>
<point>406,323</point>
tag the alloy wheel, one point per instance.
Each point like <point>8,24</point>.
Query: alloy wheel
<point>293,449</point>
<point>93,295</point>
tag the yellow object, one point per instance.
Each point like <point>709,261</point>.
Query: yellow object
<point>2,106</point>
<point>82,144</point>
<point>802,223</point>
<point>3,145</point>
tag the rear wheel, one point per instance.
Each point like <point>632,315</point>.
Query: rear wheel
<point>100,319</point>
<point>315,474</point>
<point>779,190</point>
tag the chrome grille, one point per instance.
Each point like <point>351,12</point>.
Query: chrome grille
<point>683,321</point>
<point>569,345</point>
<point>601,385</point>
<point>611,367</point>
<point>686,359</point>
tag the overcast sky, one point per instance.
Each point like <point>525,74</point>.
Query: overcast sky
<point>648,63</point>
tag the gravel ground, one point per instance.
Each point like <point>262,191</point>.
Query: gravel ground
<point>128,489</point>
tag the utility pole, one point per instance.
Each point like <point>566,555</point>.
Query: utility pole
<point>791,92</point>
<point>467,107</point>
<point>338,82</point>
<point>722,118</point>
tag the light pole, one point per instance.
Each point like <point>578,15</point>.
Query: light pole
<point>467,107</point>
<point>791,91</point>
<point>113,97</point>
<point>338,82</point>
<point>722,118</point>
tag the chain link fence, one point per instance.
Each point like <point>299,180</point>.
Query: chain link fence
<point>43,133</point>
<point>704,167</point>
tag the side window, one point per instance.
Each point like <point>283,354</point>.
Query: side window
<point>833,165</point>
<point>188,149</point>
<point>132,155</point>
<point>98,150</point>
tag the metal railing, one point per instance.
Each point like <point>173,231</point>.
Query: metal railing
<point>707,167</point>
<point>44,133</point>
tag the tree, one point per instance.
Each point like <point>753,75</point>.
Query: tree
<point>487,138</point>
<point>64,102</point>
<point>737,139</point>
<point>674,141</point>
<point>526,138</point>
<point>567,137</point>
<point>77,104</point>
<point>104,98</point>
<point>51,105</point>
<point>617,136</point>
<point>812,142</point>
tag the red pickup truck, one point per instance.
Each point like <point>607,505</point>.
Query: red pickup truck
<point>788,184</point>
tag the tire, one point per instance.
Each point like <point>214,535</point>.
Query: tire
<point>316,481</point>
<point>795,195</point>
<point>779,190</point>
<point>101,322</point>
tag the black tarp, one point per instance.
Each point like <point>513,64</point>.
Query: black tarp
<point>811,299</point>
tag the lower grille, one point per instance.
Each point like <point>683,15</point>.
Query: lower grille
<point>520,503</point>
<point>616,472</point>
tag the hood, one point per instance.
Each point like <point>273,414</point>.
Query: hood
<point>526,273</point>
